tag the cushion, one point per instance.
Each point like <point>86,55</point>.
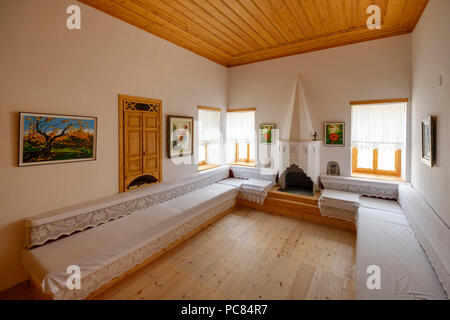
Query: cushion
<point>235,182</point>
<point>242,172</point>
<point>381,204</point>
<point>385,239</point>
<point>107,251</point>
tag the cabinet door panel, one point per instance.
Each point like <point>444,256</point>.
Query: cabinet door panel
<point>151,143</point>
<point>139,142</point>
<point>133,146</point>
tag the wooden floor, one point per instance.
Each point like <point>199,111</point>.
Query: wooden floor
<point>250,255</point>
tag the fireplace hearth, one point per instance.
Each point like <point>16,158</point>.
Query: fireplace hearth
<point>295,180</point>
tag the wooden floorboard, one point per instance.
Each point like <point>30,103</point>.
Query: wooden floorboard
<point>250,255</point>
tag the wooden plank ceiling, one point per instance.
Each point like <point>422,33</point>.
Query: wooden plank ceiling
<point>236,32</point>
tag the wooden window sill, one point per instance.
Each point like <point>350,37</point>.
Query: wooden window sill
<point>203,167</point>
<point>377,177</point>
<point>243,164</point>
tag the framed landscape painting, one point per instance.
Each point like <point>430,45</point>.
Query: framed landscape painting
<point>180,136</point>
<point>51,138</point>
<point>335,134</point>
<point>266,133</point>
<point>429,140</point>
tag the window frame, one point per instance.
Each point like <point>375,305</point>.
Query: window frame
<point>200,163</point>
<point>375,171</point>
<point>243,161</point>
<point>398,153</point>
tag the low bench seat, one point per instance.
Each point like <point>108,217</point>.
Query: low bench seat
<point>385,239</point>
<point>254,190</point>
<point>339,204</point>
<point>107,251</point>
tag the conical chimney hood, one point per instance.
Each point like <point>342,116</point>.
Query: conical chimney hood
<point>298,125</point>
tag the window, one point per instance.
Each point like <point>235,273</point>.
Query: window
<point>209,153</point>
<point>378,137</point>
<point>241,136</point>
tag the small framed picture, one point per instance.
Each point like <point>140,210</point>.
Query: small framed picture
<point>266,133</point>
<point>180,136</point>
<point>55,138</point>
<point>334,134</point>
<point>333,169</point>
<point>429,141</point>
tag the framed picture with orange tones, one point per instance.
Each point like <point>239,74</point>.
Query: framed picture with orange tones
<point>334,134</point>
<point>54,138</point>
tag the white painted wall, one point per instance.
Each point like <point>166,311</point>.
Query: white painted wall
<point>379,69</point>
<point>430,60</point>
<point>47,68</point>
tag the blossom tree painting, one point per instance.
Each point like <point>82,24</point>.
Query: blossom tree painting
<point>54,138</point>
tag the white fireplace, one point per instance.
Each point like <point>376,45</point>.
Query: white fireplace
<point>295,144</point>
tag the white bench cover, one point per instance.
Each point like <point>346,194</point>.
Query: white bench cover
<point>234,182</point>
<point>338,204</point>
<point>431,231</point>
<point>242,172</point>
<point>254,190</point>
<point>385,239</point>
<point>65,221</point>
<point>380,204</point>
<point>108,250</point>
<point>366,187</point>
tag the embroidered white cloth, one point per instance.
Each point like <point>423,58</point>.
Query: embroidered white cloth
<point>254,190</point>
<point>366,187</point>
<point>385,239</point>
<point>338,204</point>
<point>107,251</point>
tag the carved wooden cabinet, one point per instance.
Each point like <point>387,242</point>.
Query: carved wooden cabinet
<point>140,153</point>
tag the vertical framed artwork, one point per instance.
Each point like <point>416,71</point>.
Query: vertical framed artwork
<point>52,138</point>
<point>180,136</point>
<point>266,133</point>
<point>429,140</point>
<point>334,134</point>
<point>333,169</point>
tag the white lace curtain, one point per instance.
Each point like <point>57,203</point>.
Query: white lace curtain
<point>210,135</point>
<point>379,126</point>
<point>240,129</point>
<point>208,126</point>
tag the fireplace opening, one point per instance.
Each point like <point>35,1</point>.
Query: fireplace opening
<point>295,180</point>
